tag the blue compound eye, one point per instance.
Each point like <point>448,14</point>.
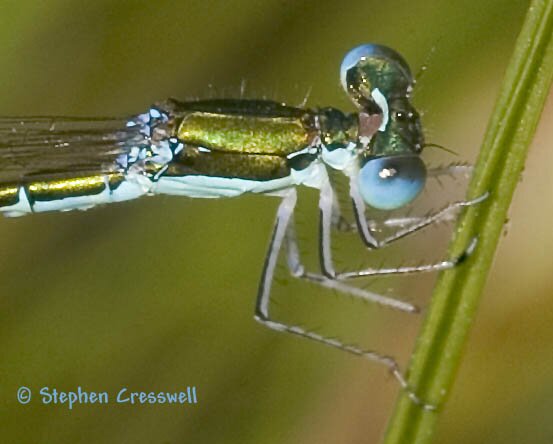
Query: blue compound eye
<point>352,58</point>
<point>390,182</point>
<point>375,58</point>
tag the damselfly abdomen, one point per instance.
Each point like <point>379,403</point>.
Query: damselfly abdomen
<point>226,148</point>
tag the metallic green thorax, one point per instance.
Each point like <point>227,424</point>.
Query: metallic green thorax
<point>250,139</point>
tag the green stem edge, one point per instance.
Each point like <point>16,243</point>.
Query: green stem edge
<point>512,125</point>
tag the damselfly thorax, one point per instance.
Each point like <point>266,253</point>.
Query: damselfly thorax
<point>226,148</point>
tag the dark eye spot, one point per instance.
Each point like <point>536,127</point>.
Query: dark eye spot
<point>400,116</point>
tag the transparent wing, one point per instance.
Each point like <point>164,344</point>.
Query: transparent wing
<point>39,148</point>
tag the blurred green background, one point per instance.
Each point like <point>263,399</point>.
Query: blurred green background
<point>158,294</point>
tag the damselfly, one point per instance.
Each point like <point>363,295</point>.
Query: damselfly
<point>225,148</point>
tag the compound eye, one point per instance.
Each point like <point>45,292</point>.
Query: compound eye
<point>390,182</point>
<point>373,52</point>
<point>352,58</point>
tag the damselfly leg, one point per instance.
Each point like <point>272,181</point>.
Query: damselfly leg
<point>366,230</point>
<point>368,237</point>
<point>453,170</point>
<point>284,233</point>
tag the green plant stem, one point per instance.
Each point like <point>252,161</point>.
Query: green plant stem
<point>511,128</point>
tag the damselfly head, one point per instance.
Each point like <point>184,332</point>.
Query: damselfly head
<point>379,82</point>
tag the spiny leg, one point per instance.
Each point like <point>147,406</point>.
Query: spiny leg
<point>370,241</point>
<point>284,229</point>
<point>341,224</point>
<point>338,221</point>
<point>329,278</point>
<point>327,266</point>
<point>297,270</point>
<point>452,170</point>
<point>282,224</point>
